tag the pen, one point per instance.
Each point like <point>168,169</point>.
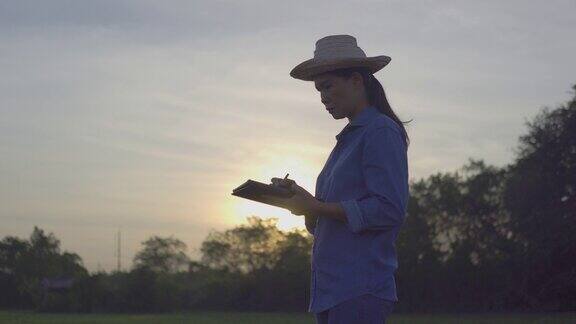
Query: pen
<point>286,177</point>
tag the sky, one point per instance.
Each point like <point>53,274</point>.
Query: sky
<point>142,116</point>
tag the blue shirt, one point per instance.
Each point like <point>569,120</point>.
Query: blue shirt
<point>367,173</point>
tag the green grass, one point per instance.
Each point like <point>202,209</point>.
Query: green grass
<point>275,318</point>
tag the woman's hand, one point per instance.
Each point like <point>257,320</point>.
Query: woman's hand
<point>301,203</point>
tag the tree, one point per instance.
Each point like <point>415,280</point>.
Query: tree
<point>541,197</point>
<point>162,255</point>
<point>245,248</point>
<point>455,242</point>
<point>25,264</point>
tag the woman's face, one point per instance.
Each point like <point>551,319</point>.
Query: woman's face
<point>339,95</point>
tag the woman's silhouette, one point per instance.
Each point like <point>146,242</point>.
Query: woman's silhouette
<point>361,193</point>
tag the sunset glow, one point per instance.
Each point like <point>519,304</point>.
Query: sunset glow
<point>300,171</point>
<point>144,116</point>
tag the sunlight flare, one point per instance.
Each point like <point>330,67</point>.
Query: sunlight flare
<point>300,170</point>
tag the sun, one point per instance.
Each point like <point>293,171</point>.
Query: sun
<point>300,170</point>
<point>286,221</point>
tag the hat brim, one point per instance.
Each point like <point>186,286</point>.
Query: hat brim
<point>309,68</point>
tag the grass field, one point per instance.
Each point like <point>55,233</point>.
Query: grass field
<point>274,318</point>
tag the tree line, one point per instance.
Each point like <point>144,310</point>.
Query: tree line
<point>481,238</point>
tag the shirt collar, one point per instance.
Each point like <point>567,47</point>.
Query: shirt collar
<point>364,117</point>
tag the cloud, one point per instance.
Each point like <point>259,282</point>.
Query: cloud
<point>144,114</point>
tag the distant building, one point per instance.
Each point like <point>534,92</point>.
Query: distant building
<point>57,284</point>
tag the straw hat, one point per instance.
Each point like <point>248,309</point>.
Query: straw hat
<point>337,52</point>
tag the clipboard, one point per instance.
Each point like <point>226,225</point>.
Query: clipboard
<point>255,191</point>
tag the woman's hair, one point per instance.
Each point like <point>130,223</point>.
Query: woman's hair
<point>375,93</point>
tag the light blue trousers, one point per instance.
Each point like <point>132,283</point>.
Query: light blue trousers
<point>365,309</point>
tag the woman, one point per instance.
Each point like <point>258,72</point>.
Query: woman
<point>361,193</point>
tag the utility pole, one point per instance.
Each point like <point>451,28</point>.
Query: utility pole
<point>119,252</point>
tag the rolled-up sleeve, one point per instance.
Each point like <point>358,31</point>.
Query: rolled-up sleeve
<point>385,171</point>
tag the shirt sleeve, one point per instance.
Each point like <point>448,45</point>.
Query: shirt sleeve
<point>385,171</point>
<point>310,222</point>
